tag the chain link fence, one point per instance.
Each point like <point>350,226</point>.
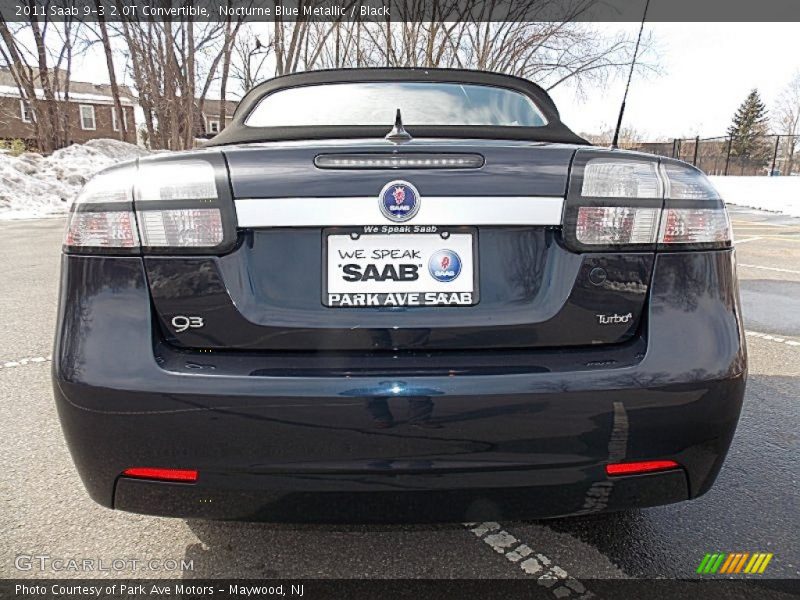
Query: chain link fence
<point>764,155</point>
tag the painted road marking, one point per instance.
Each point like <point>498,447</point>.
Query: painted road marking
<point>744,241</point>
<point>776,269</point>
<point>774,338</point>
<point>766,226</point>
<point>547,574</point>
<point>749,223</point>
<point>23,362</point>
<point>795,237</point>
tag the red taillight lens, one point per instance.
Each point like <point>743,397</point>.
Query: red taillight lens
<point>181,228</point>
<point>612,225</point>
<point>102,230</point>
<point>102,219</point>
<point>645,466</point>
<point>185,475</point>
<point>695,226</point>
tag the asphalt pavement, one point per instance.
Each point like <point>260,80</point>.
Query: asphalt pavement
<point>753,507</point>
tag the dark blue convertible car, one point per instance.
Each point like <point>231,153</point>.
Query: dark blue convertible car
<point>398,295</point>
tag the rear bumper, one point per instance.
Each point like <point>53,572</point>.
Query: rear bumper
<point>410,498</point>
<point>527,443</point>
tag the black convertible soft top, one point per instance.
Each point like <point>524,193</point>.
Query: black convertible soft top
<point>554,131</point>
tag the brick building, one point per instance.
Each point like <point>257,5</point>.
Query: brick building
<point>91,112</point>
<point>212,123</point>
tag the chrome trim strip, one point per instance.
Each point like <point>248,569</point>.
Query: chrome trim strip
<point>434,210</point>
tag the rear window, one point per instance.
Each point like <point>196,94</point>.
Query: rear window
<point>376,104</point>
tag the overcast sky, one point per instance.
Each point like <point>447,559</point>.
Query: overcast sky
<point>707,69</point>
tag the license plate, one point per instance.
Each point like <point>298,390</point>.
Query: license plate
<point>399,266</point>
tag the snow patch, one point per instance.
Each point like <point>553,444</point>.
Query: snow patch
<point>34,186</point>
<point>774,194</point>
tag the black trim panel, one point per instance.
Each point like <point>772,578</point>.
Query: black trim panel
<point>554,131</point>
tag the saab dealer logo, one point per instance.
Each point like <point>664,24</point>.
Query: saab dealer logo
<point>444,265</point>
<point>727,563</point>
<point>399,201</point>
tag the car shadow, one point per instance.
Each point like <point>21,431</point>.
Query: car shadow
<point>271,550</point>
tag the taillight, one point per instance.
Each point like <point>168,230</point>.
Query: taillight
<point>102,219</point>
<point>695,226</point>
<point>171,204</point>
<point>184,227</point>
<point>694,214</point>
<point>621,178</point>
<point>102,229</point>
<point>184,205</point>
<point>626,201</point>
<point>614,225</point>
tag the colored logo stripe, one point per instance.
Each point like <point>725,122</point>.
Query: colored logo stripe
<point>728,562</point>
<point>704,563</point>
<point>740,562</point>
<point>734,562</point>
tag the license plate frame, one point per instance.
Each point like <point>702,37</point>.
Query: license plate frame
<point>386,231</point>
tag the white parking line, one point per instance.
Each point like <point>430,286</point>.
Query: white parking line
<point>776,269</point>
<point>547,574</point>
<point>741,224</point>
<point>745,240</point>
<point>774,338</point>
<point>23,362</point>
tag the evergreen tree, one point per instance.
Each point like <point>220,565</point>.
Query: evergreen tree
<point>749,128</point>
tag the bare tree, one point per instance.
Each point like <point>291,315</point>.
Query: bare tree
<point>35,64</point>
<point>248,65</point>
<point>289,39</point>
<point>629,137</point>
<point>175,63</point>
<point>231,31</point>
<point>168,58</point>
<point>493,35</point>
<point>141,71</point>
<point>300,43</point>
<point>112,73</point>
<point>787,120</point>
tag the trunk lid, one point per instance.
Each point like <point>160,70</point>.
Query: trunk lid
<point>505,278</point>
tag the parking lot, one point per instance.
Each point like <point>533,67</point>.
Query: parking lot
<point>752,508</point>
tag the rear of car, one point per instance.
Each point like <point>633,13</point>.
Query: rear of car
<point>483,318</point>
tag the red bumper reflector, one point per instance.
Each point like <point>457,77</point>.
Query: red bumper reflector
<point>161,474</point>
<point>645,466</point>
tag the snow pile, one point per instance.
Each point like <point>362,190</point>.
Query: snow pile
<point>775,194</point>
<point>32,185</point>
